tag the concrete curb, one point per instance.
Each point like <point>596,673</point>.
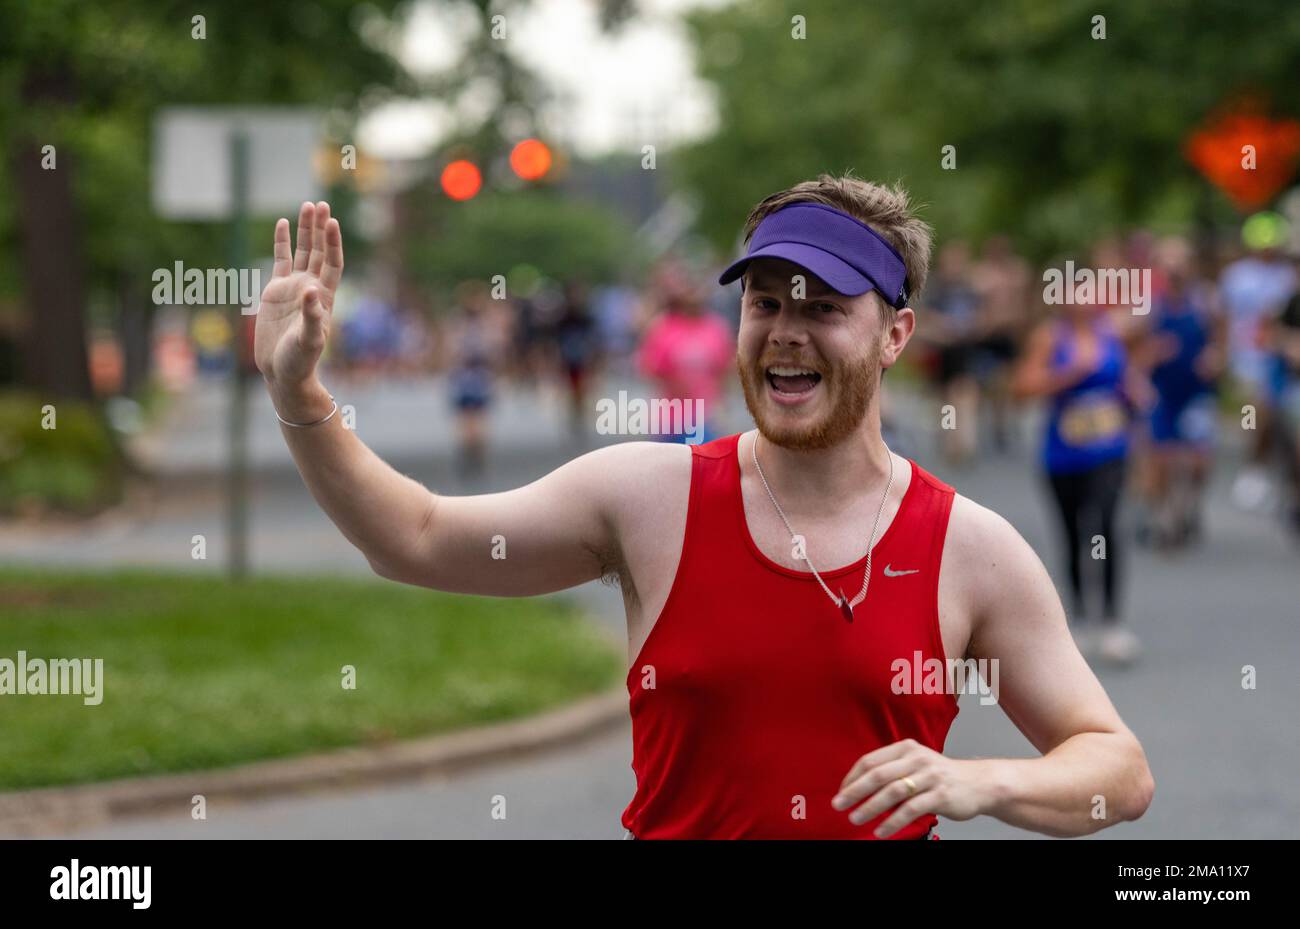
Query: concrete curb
<point>50,810</point>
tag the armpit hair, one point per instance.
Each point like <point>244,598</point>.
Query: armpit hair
<point>613,569</point>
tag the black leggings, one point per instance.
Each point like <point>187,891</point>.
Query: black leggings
<point>1087,501</point>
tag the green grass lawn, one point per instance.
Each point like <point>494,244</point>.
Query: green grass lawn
<point>200,673</point>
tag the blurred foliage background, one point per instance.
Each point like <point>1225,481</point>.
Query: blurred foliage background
<point>1060,138</point>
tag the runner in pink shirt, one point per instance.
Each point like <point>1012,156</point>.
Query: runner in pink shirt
<point>687,352</point>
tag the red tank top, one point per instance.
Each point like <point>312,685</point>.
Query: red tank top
<point>753,697</point>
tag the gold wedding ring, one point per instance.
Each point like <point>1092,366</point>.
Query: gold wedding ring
<point>911,785</point>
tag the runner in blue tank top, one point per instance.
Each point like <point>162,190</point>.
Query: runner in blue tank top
<point>1184,347</point>
<point>1087,423</point>
<point>1079,363</point>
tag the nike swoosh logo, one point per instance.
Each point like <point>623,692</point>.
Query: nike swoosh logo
<point>892,573</point>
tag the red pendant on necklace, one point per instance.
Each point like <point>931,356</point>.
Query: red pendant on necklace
<point>845,608</point>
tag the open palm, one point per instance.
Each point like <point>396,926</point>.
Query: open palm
<point>293,319</point>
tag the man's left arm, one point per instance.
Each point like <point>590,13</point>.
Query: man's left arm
<point>1092,772</point>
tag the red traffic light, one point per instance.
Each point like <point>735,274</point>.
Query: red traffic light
<point>530,159</point>
<point>461,180</point>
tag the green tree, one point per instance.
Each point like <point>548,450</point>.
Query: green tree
<point>1059,136</point>
<point>86,79</point>
<point>496,232</point>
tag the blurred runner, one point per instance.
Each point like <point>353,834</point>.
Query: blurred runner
<point>1286,339</point>
<point>1002,280</point>
<point>372,335</point>
<point>528,356</point>
<point>1184,348</point>
<point>614,307</point>
<point>687,353</point>
<point>577,341</point>
<point>211,332</point>
<point>474,342</point>
<point>1140,251</point>
<point>415,343</point>
<point>1255,288</point>
<point>951,294</point>
<point>1079,363</point>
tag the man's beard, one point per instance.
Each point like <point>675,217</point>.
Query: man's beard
<point>854,386</point>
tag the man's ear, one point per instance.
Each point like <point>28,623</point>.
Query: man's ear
<point>906,317</point>
<point>900,325</point>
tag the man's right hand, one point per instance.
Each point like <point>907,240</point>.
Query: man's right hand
<point>294,316</point>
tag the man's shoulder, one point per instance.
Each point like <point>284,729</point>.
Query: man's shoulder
<point>975,521</point>
<point>638,456</point>
<point>630,470</point>
<point>990,567</point>
<point>982,546</point>
<point>644,480</point>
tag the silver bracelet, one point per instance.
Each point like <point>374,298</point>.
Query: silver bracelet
<point>318,422</point>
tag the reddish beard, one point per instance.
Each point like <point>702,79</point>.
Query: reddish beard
<point>851,386</point>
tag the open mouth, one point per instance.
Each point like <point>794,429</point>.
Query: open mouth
<point>792,384</point>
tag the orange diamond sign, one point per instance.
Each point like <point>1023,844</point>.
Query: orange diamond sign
<point>1250,177</point>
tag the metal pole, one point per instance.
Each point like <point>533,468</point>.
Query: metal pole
<point>237,484</point>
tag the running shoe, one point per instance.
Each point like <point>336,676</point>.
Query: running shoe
<point>1252,490</point>
<point>1118,645</point>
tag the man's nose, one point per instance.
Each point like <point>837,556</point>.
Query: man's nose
<point>788,327</point>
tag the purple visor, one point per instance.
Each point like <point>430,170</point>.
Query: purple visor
<point>845,253</point>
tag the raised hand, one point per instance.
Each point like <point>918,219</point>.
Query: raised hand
<point>293,320</point>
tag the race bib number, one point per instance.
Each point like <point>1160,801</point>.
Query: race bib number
<point>1093,420</point>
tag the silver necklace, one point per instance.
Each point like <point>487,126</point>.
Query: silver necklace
<point>844,603</point>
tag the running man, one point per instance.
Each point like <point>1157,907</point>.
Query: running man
<point>1003,281</point>
<point>474,344</point>
<point>768,701</point>
<point>577,344</point>
<point>1184,348</point>
<point>953,334</point>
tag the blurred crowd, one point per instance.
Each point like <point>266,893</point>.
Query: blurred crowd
<point>1217,339</point>
<point>1134,392</point>
<point>563,336</point>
